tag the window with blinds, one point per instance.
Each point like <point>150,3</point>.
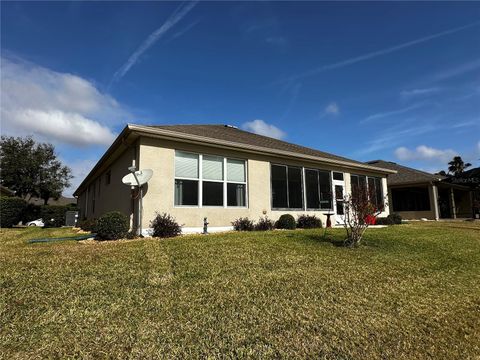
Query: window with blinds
<point>209,180</point>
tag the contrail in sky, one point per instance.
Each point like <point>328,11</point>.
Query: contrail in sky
<point>374,54</point>
<point>177,15</point>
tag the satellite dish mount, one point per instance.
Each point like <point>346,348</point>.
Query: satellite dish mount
<point>138,179</point>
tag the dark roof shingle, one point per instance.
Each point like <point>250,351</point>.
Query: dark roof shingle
<point>405,175</point>
<point>233,134</point>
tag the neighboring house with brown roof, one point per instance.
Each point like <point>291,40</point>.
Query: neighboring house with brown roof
<point>62,200</point>
<point>416,194</point>
<point>221,173</point>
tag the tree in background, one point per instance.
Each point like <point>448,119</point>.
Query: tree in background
<point>457,166</point>
<point>32,169</point>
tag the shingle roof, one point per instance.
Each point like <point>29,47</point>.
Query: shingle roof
<point>405,175</point>
<point>233,134</point>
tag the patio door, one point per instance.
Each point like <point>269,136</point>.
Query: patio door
<point>338,194</point>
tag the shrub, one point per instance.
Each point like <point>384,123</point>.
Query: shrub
<point>243,224</point>
<point>31,212</point>
<point>54,215</point>
<point>164,225</point>
<point>88,225</point>
<point>11,210</point>
<point>47,213</point>
<point>286,221</point>
<point>383,221</point>
<point>131,235</point>
<point>308,222</point>
<point>397,219</point>
<point>264,224</point>
<point>112,225</point>
<point>392,219</point>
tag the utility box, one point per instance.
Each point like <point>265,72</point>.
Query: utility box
<point>71,218</point>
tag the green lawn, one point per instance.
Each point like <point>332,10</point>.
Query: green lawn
<point>412,291</point>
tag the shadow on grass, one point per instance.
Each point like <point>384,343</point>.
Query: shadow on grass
<point>327,238</point>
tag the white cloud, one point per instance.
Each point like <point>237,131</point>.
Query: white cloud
<point>332,109</point>
<point>262,128</point>
<point>54,106</point>
<point>177,15</point>
<point>80,170</point>
<point>276,40</point>
<point>419,92</point>
<point>457,71</point>
<point>425,153</point>
<point>391,113</point>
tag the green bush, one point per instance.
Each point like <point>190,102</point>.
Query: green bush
<point>264,224</point>
<point>112,226</point>
<point>397,219</point>
<point>286,221</point>
<point>308,222</point>
<point>165,225</point>
<point>392,219</point>
<point>54,215</point>
<point>243,224</point>
<point>88,225</point>
<point>11,210</point>
<point>31,212</point>
<point>383,221</point>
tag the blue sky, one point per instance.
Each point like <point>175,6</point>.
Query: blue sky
<point>395,81</point>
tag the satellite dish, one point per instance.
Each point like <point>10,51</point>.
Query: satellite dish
<point>143,177</point>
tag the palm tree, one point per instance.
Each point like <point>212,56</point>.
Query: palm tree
<point>457,166</point>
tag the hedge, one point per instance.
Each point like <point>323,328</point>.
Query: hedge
<point>11,210</point>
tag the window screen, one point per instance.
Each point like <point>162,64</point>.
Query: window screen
<point>411,199</point>
<point>212,193</point>
<point>312,189</point>
<point>186,192</point>
<point>236,194</point>
<point>279,186</point>
<point>325,190</point>
<point>295,195</point>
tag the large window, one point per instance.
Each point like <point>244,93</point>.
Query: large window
<point>207,180</point>
<point>318,189</point>
<point>287,187</point>
<point>186,179</point>
<point>411,199</point>
<point>372,185</point>
<point>375,191</point>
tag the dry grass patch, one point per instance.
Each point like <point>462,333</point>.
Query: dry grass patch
<point>412,291</point>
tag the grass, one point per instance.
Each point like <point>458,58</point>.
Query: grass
<point>412,291</point>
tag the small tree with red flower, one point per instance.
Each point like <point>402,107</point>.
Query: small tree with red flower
<point>360,210</point>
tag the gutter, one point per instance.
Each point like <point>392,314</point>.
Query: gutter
<point>121,138</point>
<point>196,139</point>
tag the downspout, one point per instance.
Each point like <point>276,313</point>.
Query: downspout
<point>435,201</point>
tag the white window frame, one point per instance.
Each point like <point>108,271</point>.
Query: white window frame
<point>200,181</point>
<point>366,184</point>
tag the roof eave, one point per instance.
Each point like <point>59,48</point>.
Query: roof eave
<point>116,143</point>
<point>169,134</point>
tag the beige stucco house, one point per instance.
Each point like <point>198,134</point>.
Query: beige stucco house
<point>221,173</point>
